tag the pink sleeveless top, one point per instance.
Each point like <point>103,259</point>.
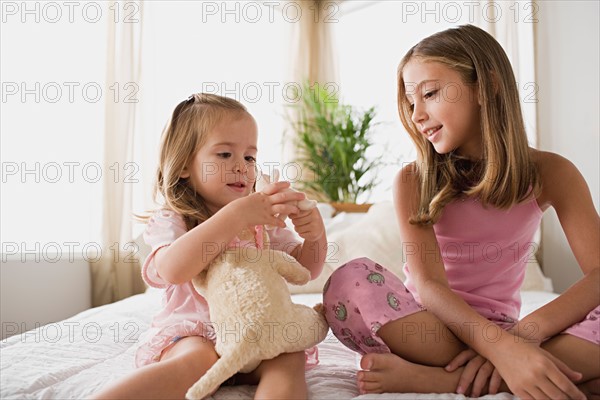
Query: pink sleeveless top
<point>484,251</point>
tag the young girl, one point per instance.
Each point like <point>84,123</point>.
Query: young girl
<point>467,211</point>
<point>206,176</point>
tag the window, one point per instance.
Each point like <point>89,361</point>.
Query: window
<point>52,144</point>
<point>52,122</point>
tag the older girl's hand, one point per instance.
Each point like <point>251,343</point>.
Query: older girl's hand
<point>532,373</point>
<point>478,371</point>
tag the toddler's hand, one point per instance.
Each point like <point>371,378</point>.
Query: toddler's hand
<point>308,224</point>
<point>260,208</point>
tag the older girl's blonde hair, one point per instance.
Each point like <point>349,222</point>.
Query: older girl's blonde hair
<point>505,175</point>
<point>184,135</point>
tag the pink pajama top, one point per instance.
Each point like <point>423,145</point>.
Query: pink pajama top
<point>184,311</point>
<point>484,251</point>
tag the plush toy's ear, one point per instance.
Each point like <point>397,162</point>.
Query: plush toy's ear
<point>262,181</point>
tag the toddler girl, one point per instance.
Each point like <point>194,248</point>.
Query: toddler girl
<point>206,176</point>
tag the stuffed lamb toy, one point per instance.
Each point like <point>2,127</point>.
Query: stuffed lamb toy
<point>252,312</point>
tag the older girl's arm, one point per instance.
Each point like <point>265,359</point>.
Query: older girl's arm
<point>427,270</point>
<point>564,188</point>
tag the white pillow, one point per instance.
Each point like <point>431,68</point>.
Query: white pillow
<point>376,235</point>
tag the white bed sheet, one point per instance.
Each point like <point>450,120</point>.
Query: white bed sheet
<point>74,358</point>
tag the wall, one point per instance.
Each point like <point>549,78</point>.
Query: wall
<point>39,291</point>
<point>567,65</point>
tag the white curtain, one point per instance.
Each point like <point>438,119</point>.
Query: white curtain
<point>116,275</point>
<point>312,58</point>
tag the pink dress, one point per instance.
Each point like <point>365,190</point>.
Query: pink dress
<point>185,312</point>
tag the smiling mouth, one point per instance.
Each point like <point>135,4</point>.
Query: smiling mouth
<point>433,130</point>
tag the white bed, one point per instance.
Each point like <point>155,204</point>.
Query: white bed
<point>73,358</point>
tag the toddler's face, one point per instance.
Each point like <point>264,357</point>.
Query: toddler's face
<point>445,110</point>
<point>224,169</point>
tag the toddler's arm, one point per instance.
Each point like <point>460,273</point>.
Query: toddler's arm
<point>312,253</point>
<point>187,256</point>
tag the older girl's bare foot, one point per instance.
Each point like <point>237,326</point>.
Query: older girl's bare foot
<point>388,373</point>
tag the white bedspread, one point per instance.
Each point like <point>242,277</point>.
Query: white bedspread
<point>73,358</point>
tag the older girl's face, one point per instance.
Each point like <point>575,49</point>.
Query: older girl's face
<point>224,169</point>
<point>444,109</point>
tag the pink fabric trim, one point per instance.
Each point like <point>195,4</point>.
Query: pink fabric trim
<point>587,329</point>
<point>259,236</point>
<point>151,280</point>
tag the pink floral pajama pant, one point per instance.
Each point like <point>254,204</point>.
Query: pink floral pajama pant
<point>361,296</point>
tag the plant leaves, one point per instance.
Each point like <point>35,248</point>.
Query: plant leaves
<point>333,139</point>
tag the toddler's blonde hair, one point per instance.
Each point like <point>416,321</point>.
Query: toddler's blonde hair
<point>184,135</point>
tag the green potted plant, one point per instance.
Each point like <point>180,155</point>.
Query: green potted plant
<point>333,139</point>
